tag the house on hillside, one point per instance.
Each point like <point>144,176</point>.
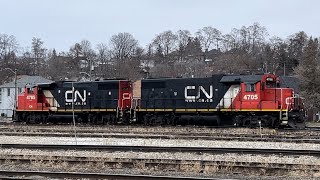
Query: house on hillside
<point>7,92</point>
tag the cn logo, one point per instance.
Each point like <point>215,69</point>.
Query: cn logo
<point>77,94</point>
<point>196,97</point>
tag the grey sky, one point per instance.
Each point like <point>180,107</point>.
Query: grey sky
<point>61,23</point>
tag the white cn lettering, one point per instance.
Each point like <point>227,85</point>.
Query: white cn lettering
<point>76,96</point>
<point>209,96</point>
<point>200,89</point>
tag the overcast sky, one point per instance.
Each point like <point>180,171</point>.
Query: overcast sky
<point>61,23</point>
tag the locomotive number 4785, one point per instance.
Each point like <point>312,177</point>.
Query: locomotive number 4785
<point>250,97</point>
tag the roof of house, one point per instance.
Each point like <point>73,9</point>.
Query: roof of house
<point>22,82</point>
<point>290,82</point>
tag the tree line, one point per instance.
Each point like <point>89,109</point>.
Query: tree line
<point>249,49</point>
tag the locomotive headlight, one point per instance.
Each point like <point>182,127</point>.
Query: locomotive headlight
<point>269,79</point>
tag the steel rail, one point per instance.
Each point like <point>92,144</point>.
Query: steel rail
<point>134,129</point>
<point>191,136</point>
<point>21,158</point>
<point>96,175</point>
<point>104,128</point>
<point>163,149</point>
<point>225,137</point>
<point>17,124</point>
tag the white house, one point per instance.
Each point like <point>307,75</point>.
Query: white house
<point>7,92</point>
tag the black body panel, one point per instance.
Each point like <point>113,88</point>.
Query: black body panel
<point>186,93</point>
<point>88,95</point>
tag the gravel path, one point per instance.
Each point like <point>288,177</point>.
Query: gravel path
<point>155,142</point>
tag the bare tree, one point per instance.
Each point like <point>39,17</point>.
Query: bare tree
<point>88,56</point>
<point>59,67</point>
<point>257,35</point>
<point>8,51</point>
<point>105,67</point>
<point>167,41</point>
<point>76,53</point>
<point>123,46</point>
<point>183,36</point>
<point>274,55</point>
<point>39,54</point>
<point>209,36</point>
<point>228,42</point>
<point>8,44</point>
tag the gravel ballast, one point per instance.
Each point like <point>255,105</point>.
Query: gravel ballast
<point>230,157</point>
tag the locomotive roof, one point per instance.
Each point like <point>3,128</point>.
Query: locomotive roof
<point>241,78</point>
<point>224,78</point>
<point>68,83</point>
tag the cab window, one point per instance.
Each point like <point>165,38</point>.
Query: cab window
<point>250,87</point>
<point>270,84</point>
<point>30,90</point>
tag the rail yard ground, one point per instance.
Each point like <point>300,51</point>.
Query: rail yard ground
<point>195,152</point>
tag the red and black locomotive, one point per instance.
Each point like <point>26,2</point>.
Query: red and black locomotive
<point>95,102</point>
<point>239,100</point>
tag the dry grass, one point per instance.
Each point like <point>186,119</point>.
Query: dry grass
<point>193,167</point>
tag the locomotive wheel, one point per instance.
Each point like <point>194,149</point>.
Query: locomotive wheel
<point>169,120</point>
<point>146,120</point>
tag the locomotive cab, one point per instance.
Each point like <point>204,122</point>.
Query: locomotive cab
<point>31,99</point>
<point>259,99</point>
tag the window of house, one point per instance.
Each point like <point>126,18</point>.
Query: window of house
<point>8,90</point>
<point>250,87</point>
<point>0,95</point>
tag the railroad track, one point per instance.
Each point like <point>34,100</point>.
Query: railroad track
<point>186,136</point>
<point>48,174</point>
<point>163,149</point>
<point>147,164</point>
<point>185,133</point>
<point>310,131</point>
<point>137,126</point>
<point>159,129</point>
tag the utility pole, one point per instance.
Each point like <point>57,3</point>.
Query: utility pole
<point>90,69</point>
<point>73,116</point>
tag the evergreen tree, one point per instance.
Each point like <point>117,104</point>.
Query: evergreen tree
<point>309,74</point>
